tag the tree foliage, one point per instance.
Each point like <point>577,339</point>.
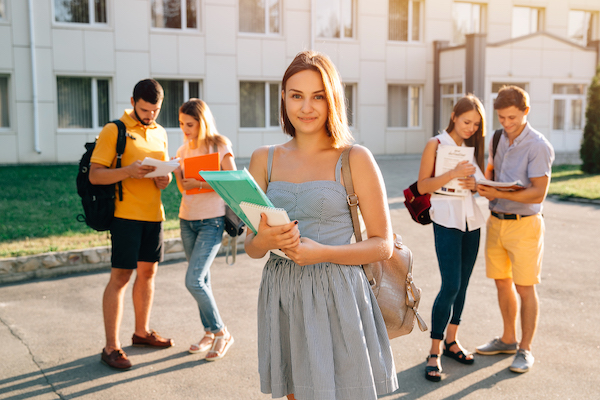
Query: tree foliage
<point>590,145</point>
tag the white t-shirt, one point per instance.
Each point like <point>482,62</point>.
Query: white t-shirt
<point>202,205</point>
<point>458,212</point>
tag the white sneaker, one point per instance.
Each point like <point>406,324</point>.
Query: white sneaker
<point>523,361</point>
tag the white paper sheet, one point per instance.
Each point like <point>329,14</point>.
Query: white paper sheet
<point>446,160</point>
<point>163,168</point>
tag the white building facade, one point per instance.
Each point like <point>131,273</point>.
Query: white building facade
<point>69,66</point>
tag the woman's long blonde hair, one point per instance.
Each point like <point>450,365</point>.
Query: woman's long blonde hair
<point>337,121</point>
<point>199,110</point>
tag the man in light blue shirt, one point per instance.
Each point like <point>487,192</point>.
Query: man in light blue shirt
<point>515,230</point>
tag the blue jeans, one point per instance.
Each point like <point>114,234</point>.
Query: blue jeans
<point>456,252</point>
<point>201,241</point>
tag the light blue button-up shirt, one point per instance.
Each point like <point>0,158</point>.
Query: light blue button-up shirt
<point>530,156</point>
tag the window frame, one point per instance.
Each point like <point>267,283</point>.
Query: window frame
<point>8,126</point>
<point>353,15</point>
<point>351,108</point>
<point>267,114</point>
<point>594,22</point>
<point>91,16</point>
<point>96,125</point>
<point>410,110</point>
<point>454,96</point>
<point>186,97</point>
<point>539,24</point>
<point>4,9</point>
<point>482,28</point>
<point>183,27</point>
<point>568,98</point>
<point>267,26</point>
<point>410,26</point>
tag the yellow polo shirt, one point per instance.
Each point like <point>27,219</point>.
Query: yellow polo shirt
<point>141,197</point>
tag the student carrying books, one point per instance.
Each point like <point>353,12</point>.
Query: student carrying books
<point>202,218</point>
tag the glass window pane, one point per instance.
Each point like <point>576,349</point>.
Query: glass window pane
<point>169,112</point>
<point>74,102</point>
<point>194,90</point>
<point>414,106</point>
<point>398,20</point>
<point>576,114</point>
<point>496,86</point>
<point>397,106</point>
<point>252,16</point>
<point>274,16</point>
<point>2,11</point>
<point>559,114</point>
<point>252,104</point>
<point>448,89</point>
<point>100,11</point>
<point>459,88</point>
<point>461,19</point>
<point>416,20</point>
<point>579,29</point>
<point>349,93</point>
<point>347,18</point>
<point>4,115</point>
<point>166,14</point>
<point>328,18</point>
<point>274,100</point>
<point>447,106</point>
<point>72,11</point>
<point>522,21</point>
<point>191,14</point>
<point>103,102</point>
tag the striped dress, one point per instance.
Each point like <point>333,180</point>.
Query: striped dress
<point>321,335</point>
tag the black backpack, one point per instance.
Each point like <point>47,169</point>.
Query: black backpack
<point>98,201</point>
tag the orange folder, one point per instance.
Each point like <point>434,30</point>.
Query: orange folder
<point>193,165</point>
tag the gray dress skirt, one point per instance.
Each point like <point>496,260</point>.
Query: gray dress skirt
<point>321,335</point>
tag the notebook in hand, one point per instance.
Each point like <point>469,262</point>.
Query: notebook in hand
<point>275,217</point>
<point>193,165</point>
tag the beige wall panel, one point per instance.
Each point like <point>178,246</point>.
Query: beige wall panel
<point>6,60</point>
<point>163,54</point>
<point>221,29</point>
<point>192,55</point>
<point>131,33</point>
<point>68,50</point>
<point>273,58</point>
<point>99,48</point>
<point>248,61</point>
<point>222,85</point>
<point>8,149</point>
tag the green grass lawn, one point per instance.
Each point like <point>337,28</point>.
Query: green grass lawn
<point>39,205</point>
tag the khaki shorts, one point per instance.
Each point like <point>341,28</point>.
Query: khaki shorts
<point>514,249</point>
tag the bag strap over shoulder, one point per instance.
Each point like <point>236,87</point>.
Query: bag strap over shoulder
<point>121,142</point>
<point>352,200</point>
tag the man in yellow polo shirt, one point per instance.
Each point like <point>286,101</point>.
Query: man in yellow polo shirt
<point>515,230</point>
<point>136,231</point>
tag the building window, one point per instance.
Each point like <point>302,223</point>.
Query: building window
<point>581,26</point>
<point>177,92</point>
<point>4,110</point>
<point>526,20</point>
<point>349,90</point>
<point>405,20</point>
<point>260,16</point>
<point>175,14</point>
<point>2,9</point>
<point>259,104</point>
<point>467,18</point>
<point>450,94</point>
<point>496,86</point>
<point>404,106</point>
<point>80,11</point>
<point>334,18</point>
<point>568,107</point>
<point>82,102</point>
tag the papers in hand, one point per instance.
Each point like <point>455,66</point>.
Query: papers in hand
<point>446,160</point>
<point>163,168</point>
<point>502,186</point>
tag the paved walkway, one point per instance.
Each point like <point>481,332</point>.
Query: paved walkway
<point>51,331</point>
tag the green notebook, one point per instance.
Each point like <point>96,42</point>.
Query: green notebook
<point>235,187</point>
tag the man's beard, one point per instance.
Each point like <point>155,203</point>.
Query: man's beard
<point>139,119</point>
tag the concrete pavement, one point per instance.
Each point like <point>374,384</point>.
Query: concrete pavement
<point>51,331</point>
